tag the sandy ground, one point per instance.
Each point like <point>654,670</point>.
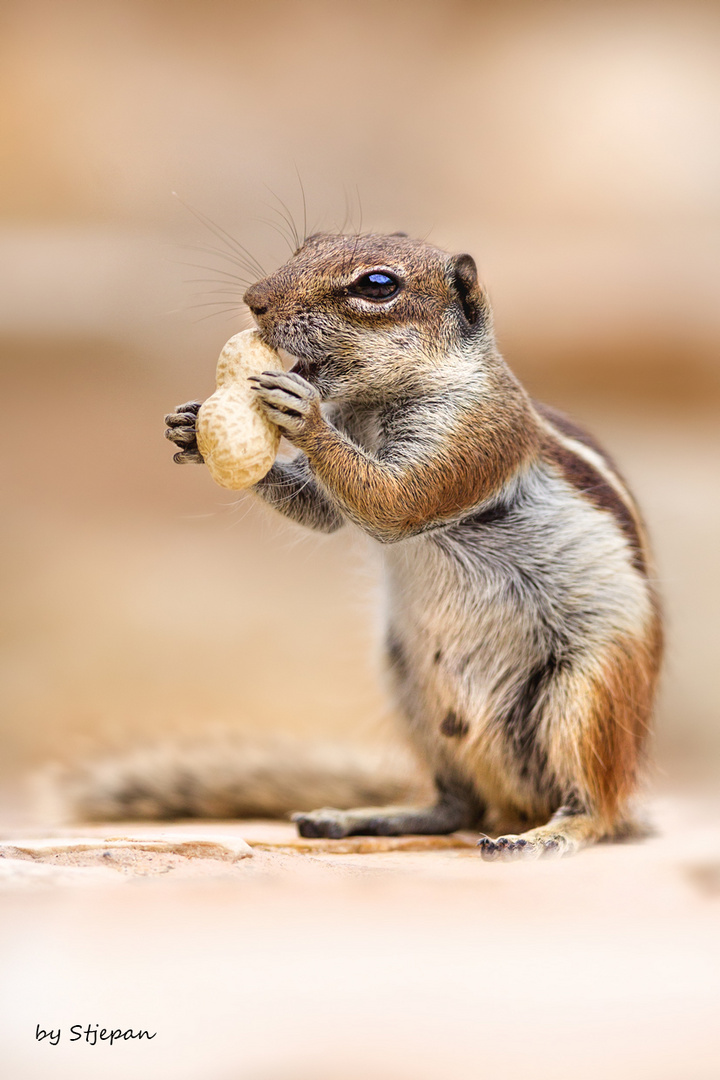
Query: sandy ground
<point>397,960</point>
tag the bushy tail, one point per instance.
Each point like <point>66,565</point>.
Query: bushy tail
<point>234,776</point>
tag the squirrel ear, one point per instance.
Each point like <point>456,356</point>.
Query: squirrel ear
<point>466,283</point>
<point>404,234</point>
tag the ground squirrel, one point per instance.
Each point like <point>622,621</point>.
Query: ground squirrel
<point>523,633</point>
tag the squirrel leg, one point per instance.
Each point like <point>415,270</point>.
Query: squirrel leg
<point>405,488</point>
<point>447,815</point>
<point>594,727</point>
<point>291,488</point>
<point>565,833</point>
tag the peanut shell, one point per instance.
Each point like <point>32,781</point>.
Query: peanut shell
<point>237,441</point>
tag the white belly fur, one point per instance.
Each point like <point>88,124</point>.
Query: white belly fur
<point>475,612</point>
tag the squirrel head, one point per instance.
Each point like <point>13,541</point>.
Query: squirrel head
<point>367,316</point>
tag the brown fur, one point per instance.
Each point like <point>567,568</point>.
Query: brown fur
<point>397,497</point>
<point>601,727</point>
<point>454,727</point>
<point>528,573</point>
<point>569,427</point>
<point>620,697</point>
<point>592,485</point>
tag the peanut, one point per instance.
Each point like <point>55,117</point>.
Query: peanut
<point>237,441</point>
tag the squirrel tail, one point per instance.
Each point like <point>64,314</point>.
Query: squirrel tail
<point>232,777</point>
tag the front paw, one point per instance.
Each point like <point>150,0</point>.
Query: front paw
<point>181,430</point>
<point>289,401</point>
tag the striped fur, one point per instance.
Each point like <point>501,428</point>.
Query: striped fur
<point>523,630</point>
<point>524,633</point>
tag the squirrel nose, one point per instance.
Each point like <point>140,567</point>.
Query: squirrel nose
<point>257,299</point>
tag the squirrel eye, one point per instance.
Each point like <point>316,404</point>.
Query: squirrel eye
<point>377,285</point>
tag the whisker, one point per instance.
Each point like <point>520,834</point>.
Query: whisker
<point>221,298</point>
<point>212,281</point>
<point>278,230</point>
<point>293,226</point>
<point>304,203</point>
<point>229,256</point>
<point>288,236</point>
<point>222,286</point>
<point>214,303</point>
<point>292,494</point>
<point>233,311</point>
<point>358,233</point>
<point>253,263</point>
<point>222,234</point>
<point>347,209</point>
<point>215,270</point>
<point>289,218</point>
<point>360,209</point>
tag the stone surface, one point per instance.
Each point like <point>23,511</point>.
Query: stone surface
<point>172,843</point>
<point>397,958</point>
<point>78,857</point>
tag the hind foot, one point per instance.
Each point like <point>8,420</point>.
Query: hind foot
<point>565,833</point>
<point>522,847</point>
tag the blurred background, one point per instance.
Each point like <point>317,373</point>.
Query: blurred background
<point>571,148</point>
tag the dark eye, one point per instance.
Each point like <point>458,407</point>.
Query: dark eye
<point>376,285</point>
